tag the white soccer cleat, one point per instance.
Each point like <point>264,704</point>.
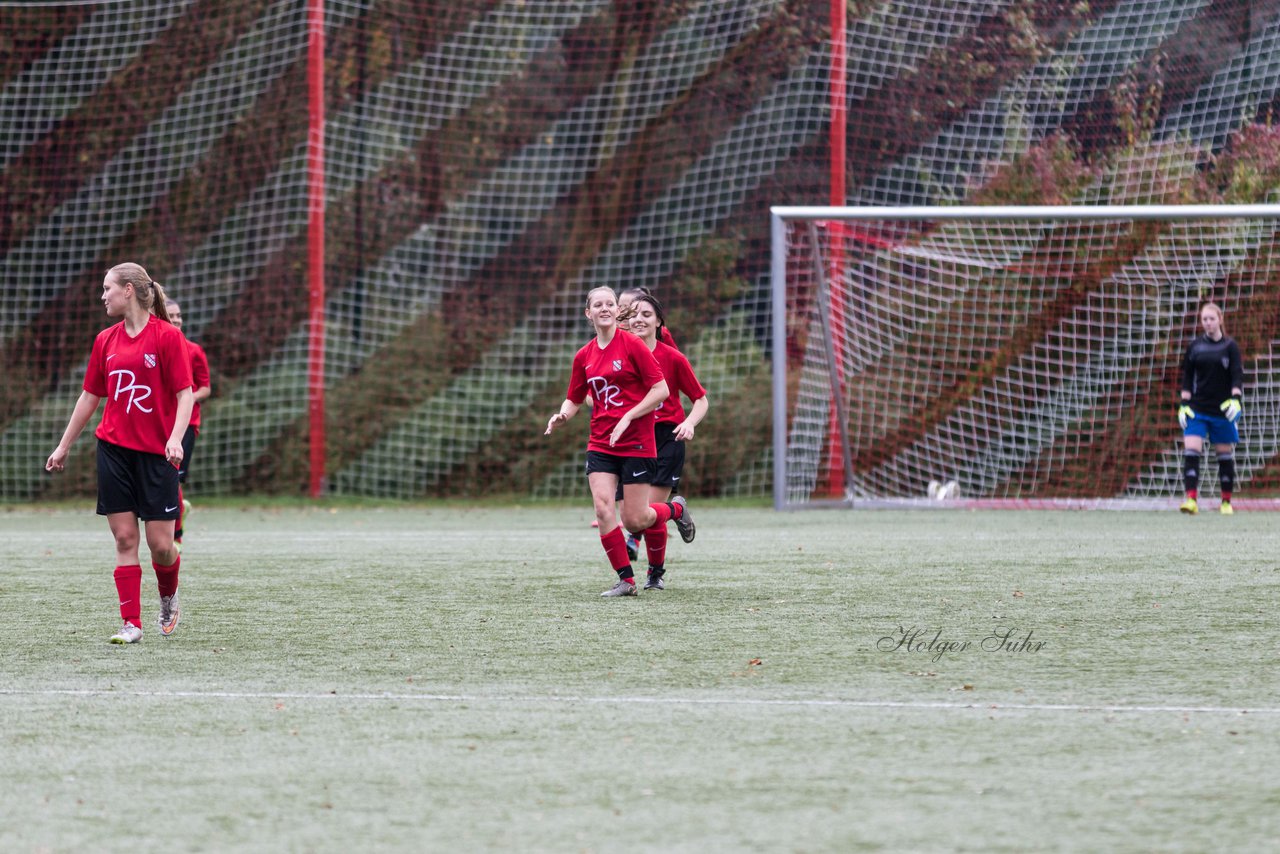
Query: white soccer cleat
<point>129,633</point>
<point>170,614</point>
<point>622,588</point>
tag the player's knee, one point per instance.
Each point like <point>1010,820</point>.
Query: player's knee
<point>162,554</point>
<point>160,543</point>
<point>634,520</point>
<point>604,509</point>
<point>126,540</point>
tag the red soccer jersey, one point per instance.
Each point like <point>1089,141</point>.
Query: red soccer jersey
<point>140,378</point>
<point>665,337</point>
<point>199,378</point>
<point>617,377</point>
<point>680,378</point>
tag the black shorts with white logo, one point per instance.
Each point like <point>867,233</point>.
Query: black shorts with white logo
<point>670,461</point>
<point>628,469</point>
<point>670,455</point>
<point>188,448</point>
<point>132,481</point>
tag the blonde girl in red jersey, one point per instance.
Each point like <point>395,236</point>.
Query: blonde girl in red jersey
<point>626,386</point>
<point>644,318</point>
<point>142,367</point>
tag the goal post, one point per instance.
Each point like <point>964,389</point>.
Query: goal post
<point>1009,355</point>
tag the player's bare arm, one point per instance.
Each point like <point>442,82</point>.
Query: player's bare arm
<point>80,415</point>
<point>568,409</point>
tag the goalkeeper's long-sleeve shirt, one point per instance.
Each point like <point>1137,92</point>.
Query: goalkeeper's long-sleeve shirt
<point>1210,370</point>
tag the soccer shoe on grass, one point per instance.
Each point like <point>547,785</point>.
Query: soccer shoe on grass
<point>622,588</point>
<point>685,523</point>
<point>1225,509</point>
<point>129,633</point>
<point>633,546</point>
<point>654,581</point>
<point>1190,507</point>
<point>170,613</point>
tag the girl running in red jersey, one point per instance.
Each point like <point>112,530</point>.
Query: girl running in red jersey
<point>625,299</point>
<point>626,386</point>
<point>644,319</point>
<point>142,367</point>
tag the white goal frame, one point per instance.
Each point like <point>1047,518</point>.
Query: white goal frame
<point>781,218</point>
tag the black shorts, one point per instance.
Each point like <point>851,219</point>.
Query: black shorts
<point>670,456</point>
<point>188,448</point>
<point>628,469</point>
<point>132,481</point>
<point>670,461</point>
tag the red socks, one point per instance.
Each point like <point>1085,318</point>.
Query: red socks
<point>129,591</point>
<point>655,543</point>
<point>615,546</point>
<point>666,512</point>
<point>166,577</point>
<point>129,587</point>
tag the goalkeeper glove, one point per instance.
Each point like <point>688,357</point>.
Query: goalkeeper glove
<point>1232,409</point>
<point>1185,414</point>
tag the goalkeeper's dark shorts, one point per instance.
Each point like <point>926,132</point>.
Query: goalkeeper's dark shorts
<point>1215,428</point>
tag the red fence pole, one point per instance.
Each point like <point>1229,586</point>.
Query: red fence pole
<point>315,241</point>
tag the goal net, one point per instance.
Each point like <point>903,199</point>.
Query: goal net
<point>1017,354</point>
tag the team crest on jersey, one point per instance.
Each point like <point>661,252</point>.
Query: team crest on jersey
<point>150,359</point>
<point>1226,361</point>
<point>617,364</point>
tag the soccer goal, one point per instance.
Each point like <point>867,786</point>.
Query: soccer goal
<point>1010,355</point>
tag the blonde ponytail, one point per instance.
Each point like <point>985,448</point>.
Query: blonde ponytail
<point>150,295</point>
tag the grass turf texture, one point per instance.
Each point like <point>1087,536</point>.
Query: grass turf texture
<point>444,676</point>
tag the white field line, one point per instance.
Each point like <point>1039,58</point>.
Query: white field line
<point>534,699</point>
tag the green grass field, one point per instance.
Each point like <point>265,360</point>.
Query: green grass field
<point>447,678</point>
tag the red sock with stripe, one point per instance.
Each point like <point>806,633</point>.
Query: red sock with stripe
<point>655,543</point>
<point>666,512</point>
<point>129,591</point>
<point>615,547</point>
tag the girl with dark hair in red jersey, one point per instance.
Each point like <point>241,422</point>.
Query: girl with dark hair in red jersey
<point>142,367</point>
<point>643,317</point>
<point>625,299</point>
<point>626,386</point>
<point>201,389</point>
<point>630,295</point>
